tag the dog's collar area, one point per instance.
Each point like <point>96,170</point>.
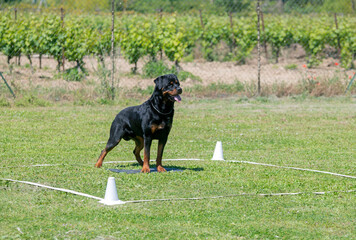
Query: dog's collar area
<point>162,113</point>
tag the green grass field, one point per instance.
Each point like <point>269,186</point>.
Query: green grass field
<point>306,133</point>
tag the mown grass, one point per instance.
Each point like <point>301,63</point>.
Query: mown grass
<point>308,133</point>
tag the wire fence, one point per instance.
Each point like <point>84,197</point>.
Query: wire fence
<point>280,47</point>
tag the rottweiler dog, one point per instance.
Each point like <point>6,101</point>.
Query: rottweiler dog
<point>151,120</point>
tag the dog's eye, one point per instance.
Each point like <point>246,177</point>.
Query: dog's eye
<point>172,83</point>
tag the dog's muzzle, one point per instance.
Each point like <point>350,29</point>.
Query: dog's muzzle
<point>177,97</point>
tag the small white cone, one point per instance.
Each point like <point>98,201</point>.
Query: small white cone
<point>111,197</point>
<point>218,152</point>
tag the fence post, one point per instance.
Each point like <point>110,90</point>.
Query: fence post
<point>263,32</point>
<point>258,49</point>
<point>8,86</point>
<point>62,20</point>
<point>338,39</point>
<point>348,86</point>
<point>112,49</point>
<point>160,12</point>
<point>17,59</point>
<point>232,32</point>
<point>201,18</point>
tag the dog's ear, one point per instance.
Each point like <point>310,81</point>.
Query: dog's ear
<point>159,82</point>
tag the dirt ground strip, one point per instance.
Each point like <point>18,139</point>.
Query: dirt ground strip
<point>289,70</point>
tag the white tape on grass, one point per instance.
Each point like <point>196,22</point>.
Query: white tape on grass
<point>196,159</point>
<point>101,200</point>
<point>54,188</point>
<point>254,163</point>
<point>238,195</point>
<point>294,168</point>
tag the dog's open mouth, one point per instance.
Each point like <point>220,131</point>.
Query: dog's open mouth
<point>173,96</point>
<point>177,98</point>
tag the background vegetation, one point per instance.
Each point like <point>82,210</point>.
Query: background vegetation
<point>178,31</point>
<point>174,35</point>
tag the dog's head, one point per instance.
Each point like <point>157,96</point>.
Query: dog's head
<point>169,86</point>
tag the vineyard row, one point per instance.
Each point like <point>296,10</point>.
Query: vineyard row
<point>174,36</point>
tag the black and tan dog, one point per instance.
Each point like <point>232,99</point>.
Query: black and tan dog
<point>146,122</point>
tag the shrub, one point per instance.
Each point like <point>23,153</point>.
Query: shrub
<point>153,69</point>
<point>291,66</point>
<point>74,74</point>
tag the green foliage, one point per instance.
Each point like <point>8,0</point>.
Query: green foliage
<point>52,38</point>
<point>101,47</point>
<point>213,32</point>
<point>292,66</point>
<point>176,40</point>
<point>174,36</point>
<point>153,69</point>
<point>132,42</point>
<point>278,34</point>
<point>340,6</point>
<point>30,100</point>
<point>4,102</point>
<point>105,88</point>
<point>245,37</point>
<point>183,6</point>
<point>184,75</point>
<point>346,34</point>
<point>235,5</point>
<point>11,40</point>
<point>79,42</point>
<point>227,88</point>
<point>313,34</point>
<point>75,74</point>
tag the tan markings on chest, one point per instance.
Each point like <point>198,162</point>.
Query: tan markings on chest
<point>155,127</point>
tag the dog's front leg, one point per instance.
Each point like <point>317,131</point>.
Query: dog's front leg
<point>161,145</point>
<point>146,155</point>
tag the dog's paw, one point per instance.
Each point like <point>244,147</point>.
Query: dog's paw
<point>98,164</point>
<point>146,169</point>
<point>161,169</point>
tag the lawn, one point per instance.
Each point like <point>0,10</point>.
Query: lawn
<point>317,133</point>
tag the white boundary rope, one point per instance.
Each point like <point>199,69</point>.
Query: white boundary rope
<point>254,163</point>
<point>238,195</point>
<point>295,168</point>
<point>196,159</point>
<point>53,188</point>
<point>175,199</point>
<point>197,198</point>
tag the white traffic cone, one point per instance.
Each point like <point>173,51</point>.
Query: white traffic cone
<point>111,197</point>
<point>218,152</point>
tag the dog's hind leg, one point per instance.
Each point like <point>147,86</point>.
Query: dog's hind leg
<point>109,146</point>
<point>139,146</point>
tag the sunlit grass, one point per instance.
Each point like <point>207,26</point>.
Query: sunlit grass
<point>312,133</point>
